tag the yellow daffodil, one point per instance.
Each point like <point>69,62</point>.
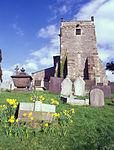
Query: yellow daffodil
<point>12,117</point>
<point>52,99</point>
<point>11,120</point>
<point>33,100</point>
<point>24,114</point>
<point>57,103</point>
<point>71,121</point>
<point>30,114</point>
<point>17,120</point>
<point>48,113</point>
<point>31,118</point>
<point>41,96</point>
<point>46,124</point>
<point>15,106</point>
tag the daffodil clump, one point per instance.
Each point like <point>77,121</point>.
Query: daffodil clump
<point>62,119</point>
<point>8,121</point>
<point>29,115</point>
<point>40,98</point>
<point>54,102</point>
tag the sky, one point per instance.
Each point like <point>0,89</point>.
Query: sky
<point>29,31</point>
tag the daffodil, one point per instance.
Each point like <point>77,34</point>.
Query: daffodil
<point>17,120</point>
<point>30,114</point>
<point>31,118</point>
<point>41,96</point>
<point>24,114</point>
<point>12,117</point>
<point>48,113</point>
<point>71,121</point>
<point>33,100</point>
<point>46,124</point>
<point>15,106</point>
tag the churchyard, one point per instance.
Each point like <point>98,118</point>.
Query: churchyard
<point>89,128</point>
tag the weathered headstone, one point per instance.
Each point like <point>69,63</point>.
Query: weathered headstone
<point>38,109</point>
<point>79,86</point>
<point>55,85</point>
<point>66,87</point>
<point>106,89</point>
<point>97,97</point>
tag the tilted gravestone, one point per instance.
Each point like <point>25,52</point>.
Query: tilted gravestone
<point>38,109</point>
<point>55,85</point>
<point>66,87</point>
<point>106,89</point>
<point>79,86</point>
<point>97,97</point>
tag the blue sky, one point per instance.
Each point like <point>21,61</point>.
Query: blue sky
<point>29,31</point>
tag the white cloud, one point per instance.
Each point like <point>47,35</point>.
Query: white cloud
<point>31,65</point>
<point>110,76</point>
<point>48,31</point>
<point>45,55</point>
<point>89,9</point>
<point>63,9</point>
<point>105,55</point>
<point>18,30</point>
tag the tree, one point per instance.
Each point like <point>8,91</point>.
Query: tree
<point>110,66</point>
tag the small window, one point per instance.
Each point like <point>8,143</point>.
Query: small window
<point>78,31</point>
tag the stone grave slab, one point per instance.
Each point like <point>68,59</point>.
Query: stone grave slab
<point>39,111</point>
<point>106,89</point>
<point>97,97</point>
<point>73,100</point>
<point>66,87</point>
<point>79,86</point>
<point>55,85</point>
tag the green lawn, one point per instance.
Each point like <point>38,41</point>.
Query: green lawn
<point>92,128</point>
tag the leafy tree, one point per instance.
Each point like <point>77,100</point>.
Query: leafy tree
<point>110,66</point>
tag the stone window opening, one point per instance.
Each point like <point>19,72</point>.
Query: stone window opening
<point>78,31</point>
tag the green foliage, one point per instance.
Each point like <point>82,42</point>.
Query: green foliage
<point>62,65</point>
<point>110,66</point>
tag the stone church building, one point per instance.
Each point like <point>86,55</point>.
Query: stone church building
<point>78,55</point>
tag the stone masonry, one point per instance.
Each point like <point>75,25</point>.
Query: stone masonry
<point>78,44</point>
<point>78,56</point>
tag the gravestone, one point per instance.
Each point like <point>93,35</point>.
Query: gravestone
<point>39,111</point>
<point>55,85</point>
<point>66,87</point>
<point>111,84</point>
<point>106,89</point>
<point>73,100</point>
<point>79,86</point>
<point>97,97</point>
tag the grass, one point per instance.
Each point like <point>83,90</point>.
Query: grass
<point>92,128</point>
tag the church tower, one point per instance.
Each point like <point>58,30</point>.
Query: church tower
<point>78,51</point>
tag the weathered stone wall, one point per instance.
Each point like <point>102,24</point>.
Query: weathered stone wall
<point>38,76</point>
<point>81,50</point>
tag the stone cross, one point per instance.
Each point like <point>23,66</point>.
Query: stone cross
<point>16,69</point>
